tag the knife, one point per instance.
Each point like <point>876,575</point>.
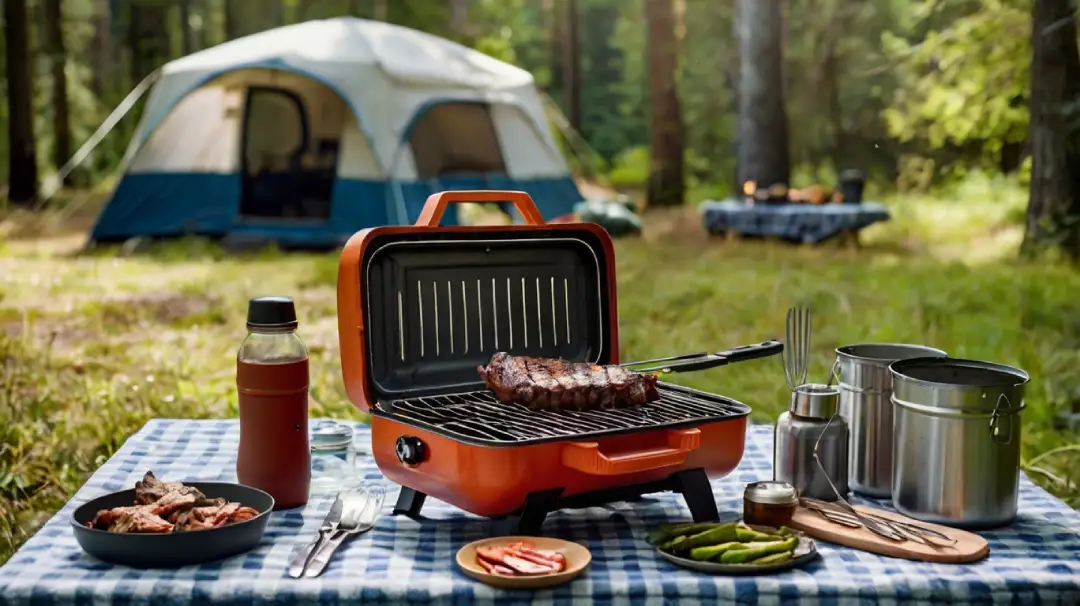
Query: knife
<point>329,525</point>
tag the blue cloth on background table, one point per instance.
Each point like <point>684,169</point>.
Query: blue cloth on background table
<point>806,223</point>
<point>1037,560</point>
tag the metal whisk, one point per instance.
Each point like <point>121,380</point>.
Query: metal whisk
<point>796,355</point>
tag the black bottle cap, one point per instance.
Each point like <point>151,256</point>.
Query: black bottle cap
<point>273,313</point>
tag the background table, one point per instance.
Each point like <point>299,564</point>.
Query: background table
<point>805,223</point>
<point>1036,560</point>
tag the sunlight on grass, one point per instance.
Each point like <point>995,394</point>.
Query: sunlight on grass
<point>93,346</point>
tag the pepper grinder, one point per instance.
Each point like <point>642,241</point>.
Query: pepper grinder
<point>812,415</point>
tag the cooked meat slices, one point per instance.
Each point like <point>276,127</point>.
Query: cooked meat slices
<point>107,517</point>
<point>140,520</point>
<point>162,507</point>
<point>151,489</point>
<point>555,384</point>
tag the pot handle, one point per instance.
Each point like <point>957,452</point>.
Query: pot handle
<point>587,457</point>
<point>1001,421</point>
<point>436,204</point>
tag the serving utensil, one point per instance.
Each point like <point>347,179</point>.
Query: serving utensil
<point>796,355</point>
<point>329,526</point>
<point>360,510</point>
<point>915,532</point>
<point>705,360</point>
<point>889,529</point>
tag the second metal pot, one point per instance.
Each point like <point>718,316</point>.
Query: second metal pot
<point>957,459</point>
<point>865,389</point>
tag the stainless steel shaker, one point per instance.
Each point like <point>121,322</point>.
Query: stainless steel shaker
<point>812,419</point>
<point>865,389</point>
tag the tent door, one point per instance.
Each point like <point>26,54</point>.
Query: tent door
<point>276,141</point>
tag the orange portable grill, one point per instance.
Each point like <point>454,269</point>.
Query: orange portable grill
<point>421,307</point>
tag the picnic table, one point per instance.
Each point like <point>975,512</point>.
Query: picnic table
<point>1036,560</point>
<point>804,223</point>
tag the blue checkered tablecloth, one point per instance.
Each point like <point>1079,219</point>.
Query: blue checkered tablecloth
<point>1037,560</point>
<point>806,223</point>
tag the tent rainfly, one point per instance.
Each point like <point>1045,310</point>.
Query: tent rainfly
<point>306,133</point>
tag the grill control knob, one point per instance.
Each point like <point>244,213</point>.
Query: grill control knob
<point>410,450</point>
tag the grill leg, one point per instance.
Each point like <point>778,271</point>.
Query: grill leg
<point>697,492</point>
<point>409,502</point>
<point>531,517</point>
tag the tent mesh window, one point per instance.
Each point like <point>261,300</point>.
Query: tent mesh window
<point>456,137</point>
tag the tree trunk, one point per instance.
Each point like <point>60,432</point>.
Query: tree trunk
<point>22,158</point>
<point>233,19</point>
<point>187,36</point>
<point>763,129</point>
<point>1053,217</point>
<point>553,22</point>
<point>54,40</point>
<point>831,83</point>
<point>571,64</point>
<point>666,171</point>
<point>148,38</point>
<point>459,17</point>
<point>101,58</point>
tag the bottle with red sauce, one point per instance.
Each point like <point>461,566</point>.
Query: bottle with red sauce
<point>272,384</point>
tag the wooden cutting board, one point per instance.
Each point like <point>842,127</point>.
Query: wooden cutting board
<point>969,547</point>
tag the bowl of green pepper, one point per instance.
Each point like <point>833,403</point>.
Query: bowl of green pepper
<point>732,547</point>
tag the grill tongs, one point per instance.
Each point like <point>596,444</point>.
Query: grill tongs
<point>704,360</point>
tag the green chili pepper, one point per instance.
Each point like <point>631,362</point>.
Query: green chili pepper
<point>776,558</point>
<point>741,556</point>
<point>710,552</point>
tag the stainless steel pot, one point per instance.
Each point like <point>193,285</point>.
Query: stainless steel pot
<point>957,458</point>
<point>865,389</point>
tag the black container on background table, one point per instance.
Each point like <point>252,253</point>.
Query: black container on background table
<point>852,183</point>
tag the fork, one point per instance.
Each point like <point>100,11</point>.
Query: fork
<point>359,512</point>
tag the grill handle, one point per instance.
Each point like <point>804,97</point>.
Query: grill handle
<point>436,204</point>
<point>587,457</point>
<point>702,361</point>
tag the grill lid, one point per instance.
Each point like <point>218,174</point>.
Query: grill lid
<point>420,307</point>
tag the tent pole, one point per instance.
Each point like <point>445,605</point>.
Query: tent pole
<point>579,147</point>
<point>106,127</point>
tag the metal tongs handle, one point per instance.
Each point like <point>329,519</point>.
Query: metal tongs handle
<point>705,360</point>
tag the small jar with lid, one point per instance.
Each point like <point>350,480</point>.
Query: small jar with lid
<point>769,503</point>
<point>333,459</point>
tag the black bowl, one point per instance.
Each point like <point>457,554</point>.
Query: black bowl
<point>179,548</point>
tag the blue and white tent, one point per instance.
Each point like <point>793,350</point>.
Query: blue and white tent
<point>306,133</point>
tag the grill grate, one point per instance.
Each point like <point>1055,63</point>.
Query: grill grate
<point>478,417</point>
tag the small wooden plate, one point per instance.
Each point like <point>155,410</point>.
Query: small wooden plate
<point>577,559</point>
<point>969,547</point>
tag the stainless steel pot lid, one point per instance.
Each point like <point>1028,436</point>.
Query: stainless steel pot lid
<point>884,354</point>
<point>957,373</point>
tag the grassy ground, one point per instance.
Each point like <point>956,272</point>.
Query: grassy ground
<point>93,346</point>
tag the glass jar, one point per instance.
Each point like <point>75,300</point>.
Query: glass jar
<point>333,459</point>
<point>769,503</point>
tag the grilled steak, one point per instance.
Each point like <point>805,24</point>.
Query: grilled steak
<point>162,507</point>
<point>555,384</point>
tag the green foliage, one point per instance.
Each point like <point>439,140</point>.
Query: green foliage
<point>967,82</point>
<point>868,84</point>
<point>630,169</point>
